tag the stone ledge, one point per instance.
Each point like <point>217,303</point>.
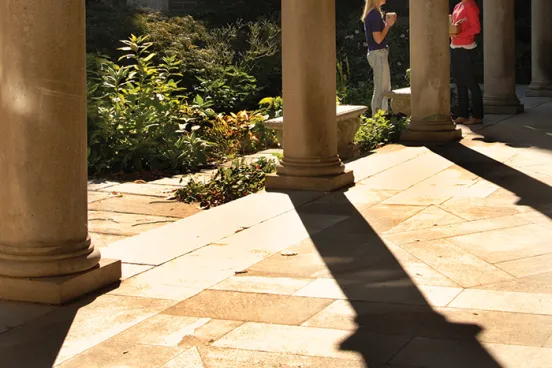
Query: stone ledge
<point>400,101</point>
<point>276,182</point>
<point>62,289</point>
<point>348,123</point>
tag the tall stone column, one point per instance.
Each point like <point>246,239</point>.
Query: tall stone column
<point>541,46</point>
<point>43,193</point>
<point>309,86</point>
<point>430,73</point>
<point>500,58</point>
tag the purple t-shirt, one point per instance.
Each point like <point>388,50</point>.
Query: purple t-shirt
<point>374,23</point>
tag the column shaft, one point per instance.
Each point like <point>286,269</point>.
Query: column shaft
<point>541,46</point>
<point>430,73</point>
<point>43,216</point>
<point>309,89</point>
<point>500,58</point>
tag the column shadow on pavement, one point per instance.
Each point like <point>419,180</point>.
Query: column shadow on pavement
<point>38,343</point>
<point>530,130</point>
<point>394,321</point>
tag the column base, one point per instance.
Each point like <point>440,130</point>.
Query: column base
<point>430,137</point>
<point>56,260</point>
<point>310,183</point>
<point>314,167</point>
<point>442,129</point>
<point>62,289</point>
<point>539,90</point>
<point>502,107</point>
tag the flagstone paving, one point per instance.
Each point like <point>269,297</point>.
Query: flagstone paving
<point>437,257</point>
<point>120,210</point>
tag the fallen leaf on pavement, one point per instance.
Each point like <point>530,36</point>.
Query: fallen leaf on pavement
<point>240,230</point>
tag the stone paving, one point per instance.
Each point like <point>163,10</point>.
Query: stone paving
<point>437,257</point>
<point>119,210</point>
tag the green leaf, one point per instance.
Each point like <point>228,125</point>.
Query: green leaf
<point>149,57</point>
<point>198,100</point>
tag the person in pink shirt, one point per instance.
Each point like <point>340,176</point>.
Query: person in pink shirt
<point>463,45</point>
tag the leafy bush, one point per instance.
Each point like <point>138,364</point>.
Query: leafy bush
<point>379,130</point>
<point>221,12</point>
<point>226,65</point>
<point>272,107</point>
<point>134,112</point>
<point>228,184</point>
<point>229,88</point>
<point>107,24</point>
<point>240,133</point>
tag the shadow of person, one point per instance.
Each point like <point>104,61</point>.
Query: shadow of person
<point>531,129</point>
<point>390,318</point>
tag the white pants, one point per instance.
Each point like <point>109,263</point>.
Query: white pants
<point>379,61</point>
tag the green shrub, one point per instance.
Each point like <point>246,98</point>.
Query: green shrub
<point>221,12</point>
<point>379,130</point>
<point>240,133</point>
<point>272,107</point>
<point>226,65</point>
<point>229,89</point>
<point>107,24</point>
<point>228,184</point>
<point>134,112</point>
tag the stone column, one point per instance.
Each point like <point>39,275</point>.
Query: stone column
<point>309,86</point>
<point>541,46</point>
<point>43,216</point>
<point>430,73</point>
<point>500,58</point>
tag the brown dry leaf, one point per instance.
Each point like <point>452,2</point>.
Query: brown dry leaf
<point>139,182</point>
<point>241,272</point>
<point>240,230</point>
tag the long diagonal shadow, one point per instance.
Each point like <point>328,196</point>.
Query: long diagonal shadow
<point>532,192</point>
<point>394,322</point>
<point>39,342</point>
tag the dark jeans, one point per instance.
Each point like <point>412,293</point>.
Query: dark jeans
<point>463,73</point>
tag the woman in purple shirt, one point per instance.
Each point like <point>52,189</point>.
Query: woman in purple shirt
<point>376,29</point>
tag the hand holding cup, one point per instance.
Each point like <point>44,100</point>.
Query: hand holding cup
<point>391,19</point>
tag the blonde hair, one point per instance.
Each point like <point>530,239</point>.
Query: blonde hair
<point>370,5</point>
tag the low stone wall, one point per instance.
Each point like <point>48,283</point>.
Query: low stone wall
<point>348,123</point>
<point>400,101</point>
